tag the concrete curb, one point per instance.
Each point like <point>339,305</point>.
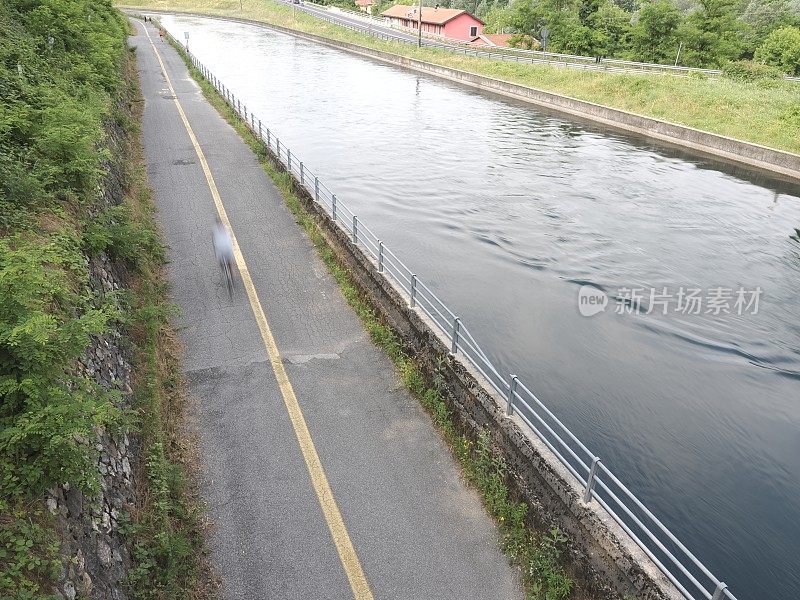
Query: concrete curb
<point>776,162</point>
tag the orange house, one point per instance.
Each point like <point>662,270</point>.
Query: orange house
<point>446,22</point>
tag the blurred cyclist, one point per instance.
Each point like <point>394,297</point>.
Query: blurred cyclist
<point>223,245</point>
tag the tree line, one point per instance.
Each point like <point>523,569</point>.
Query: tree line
<point>696,33</point>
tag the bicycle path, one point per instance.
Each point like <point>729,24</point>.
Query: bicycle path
<point>408,527</point>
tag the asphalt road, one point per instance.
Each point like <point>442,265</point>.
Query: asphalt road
<point>417,530</point>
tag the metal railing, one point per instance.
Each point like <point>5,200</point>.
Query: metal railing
<point>408,35</point>
<point>599,484</point>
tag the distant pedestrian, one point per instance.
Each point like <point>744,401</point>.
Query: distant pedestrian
<point>161,33</point>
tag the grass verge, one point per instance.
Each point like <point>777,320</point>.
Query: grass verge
<point>538,554</point>
<point>765,112</point>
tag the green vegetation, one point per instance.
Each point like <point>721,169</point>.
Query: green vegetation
<point>28,554</point>
<point>763,111</point>
<point>539,554</point>
<point>782,50</point>
<point>60,76</point>
<point>698,33</point>
<point>67,130</point>
<point>57,96</point>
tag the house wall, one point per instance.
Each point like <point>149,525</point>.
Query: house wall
<point>458,28</point>
<point>414,24</point>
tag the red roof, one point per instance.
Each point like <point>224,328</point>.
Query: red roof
<point>365,2</point>
<point>434,16</point>
<point>493,39</point>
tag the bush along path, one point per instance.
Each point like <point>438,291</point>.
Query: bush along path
<point>540,554</point>
<point>93,498</point>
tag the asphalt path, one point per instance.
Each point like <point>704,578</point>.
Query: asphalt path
<point>323,477</point>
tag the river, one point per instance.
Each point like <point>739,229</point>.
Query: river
<point>506,211</point>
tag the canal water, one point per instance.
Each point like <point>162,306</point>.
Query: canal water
<point>507,211</point>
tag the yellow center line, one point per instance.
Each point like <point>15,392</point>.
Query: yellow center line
<point>344,546</point>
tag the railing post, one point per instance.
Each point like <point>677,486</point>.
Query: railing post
<point>289,160</point>
<point>316,189</point>
<point>413,290</point>
<point>380,256</point>
<point>245,114</point>
<point>268,140</point>
<point>302,174</point>
<point>587,493</point>
<point>456,327</point>
<point>259,129</point>
<point>512,389</point>
<point>719,591</point>
<point>355,229</point>
<point>333,207</point>
<point>278,147</point>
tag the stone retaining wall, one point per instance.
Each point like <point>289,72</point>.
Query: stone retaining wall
<point>94,556</point>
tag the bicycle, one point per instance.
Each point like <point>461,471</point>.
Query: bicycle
<point>228,273</point>
<point>223,250</point>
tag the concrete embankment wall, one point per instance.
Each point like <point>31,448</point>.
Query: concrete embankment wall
<point>785,164</point>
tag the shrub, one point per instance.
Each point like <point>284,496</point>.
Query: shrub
<point>781,50</point>
<point>46,412</point>
<point>747,70</point>
<point>60,68</point>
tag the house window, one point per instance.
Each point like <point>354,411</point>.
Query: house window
<point>473,32</point>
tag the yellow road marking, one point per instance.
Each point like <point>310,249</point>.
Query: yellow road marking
<point>344,546</point>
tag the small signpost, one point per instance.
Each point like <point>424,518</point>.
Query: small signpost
<point>545,34</point>
<point>186,36</point>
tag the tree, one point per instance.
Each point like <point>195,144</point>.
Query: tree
<point>763,17</point>
<point>782,49</point>
<point>612,25</point>
<point>712,34</point>
<point>654,37</point>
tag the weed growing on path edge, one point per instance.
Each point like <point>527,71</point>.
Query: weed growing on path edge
<point>538,555</point>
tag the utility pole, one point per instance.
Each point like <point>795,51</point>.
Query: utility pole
<point>419,23</point>
<point>680,47</point>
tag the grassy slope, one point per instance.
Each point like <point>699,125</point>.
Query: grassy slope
<point>766,113</point>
